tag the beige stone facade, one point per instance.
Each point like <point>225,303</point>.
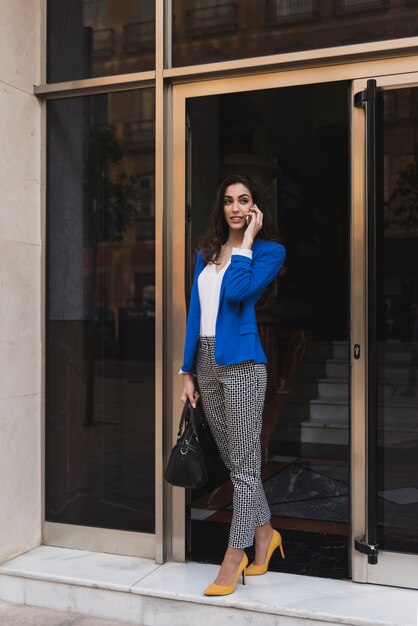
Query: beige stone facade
<point>20,259</point>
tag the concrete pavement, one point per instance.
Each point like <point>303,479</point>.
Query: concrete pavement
<point>22,615</point>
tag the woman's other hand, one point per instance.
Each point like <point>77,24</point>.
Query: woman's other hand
<point>189,390</point>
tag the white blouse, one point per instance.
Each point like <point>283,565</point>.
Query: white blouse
<point>209,286</point>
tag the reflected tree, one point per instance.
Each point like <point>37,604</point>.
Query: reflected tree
<point>110,209</point>
<point>402,207</point>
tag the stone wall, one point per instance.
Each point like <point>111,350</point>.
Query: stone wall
<point>20,277</point>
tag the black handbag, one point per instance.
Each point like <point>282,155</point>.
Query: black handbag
<point>188,462</point>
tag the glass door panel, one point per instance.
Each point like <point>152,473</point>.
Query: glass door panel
<point>100,325</point>
<point>294,143</point>
<point>391,513</point>
<point>397,325</point>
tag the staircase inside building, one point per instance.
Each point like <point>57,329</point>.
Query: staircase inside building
<point>317,411</point>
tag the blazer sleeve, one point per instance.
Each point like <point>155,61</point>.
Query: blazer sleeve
<point>247,278</point>
<point>192,323</point>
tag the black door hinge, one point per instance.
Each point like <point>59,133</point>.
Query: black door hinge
<point>371,549</point>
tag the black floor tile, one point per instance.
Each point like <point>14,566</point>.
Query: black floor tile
<point>310,554</point>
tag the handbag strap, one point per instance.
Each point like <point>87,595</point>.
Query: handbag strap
<point>187,411</point>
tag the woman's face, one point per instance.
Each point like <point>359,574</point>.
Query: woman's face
<point>237,204</point>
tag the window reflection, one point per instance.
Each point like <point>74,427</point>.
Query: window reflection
<point>99,37</point>
<point>95,13</point>
<point>207,31</point>
<point>359,5</point>
<point>290,10</point>
<point>101,311</point>
<point>211,18</point>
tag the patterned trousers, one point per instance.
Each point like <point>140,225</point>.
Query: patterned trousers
<point>233,399</point>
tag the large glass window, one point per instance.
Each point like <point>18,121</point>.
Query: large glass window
<point>205,31</point>
<point>101,311</point>
<point>99,38</point>
<point>397,290</point>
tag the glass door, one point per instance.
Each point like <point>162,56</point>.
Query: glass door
<point>385,350</point>
<point>294,141</point>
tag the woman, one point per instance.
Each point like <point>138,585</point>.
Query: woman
<point>235,263</point>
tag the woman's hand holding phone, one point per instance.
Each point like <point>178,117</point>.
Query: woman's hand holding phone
<point>254,221</point>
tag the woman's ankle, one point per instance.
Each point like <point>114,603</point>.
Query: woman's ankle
<point>234,553</point>
<point>264,531</point>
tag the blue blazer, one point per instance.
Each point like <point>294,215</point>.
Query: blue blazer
<point>243,283</point>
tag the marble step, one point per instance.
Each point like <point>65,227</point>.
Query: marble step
<point>140,592</point>
<point>395,372</point>
<point>312,433</point>
<point>326,421</point>
<point>339,388</point>
<point>397,412</point>
<point>323,409</point>
<point>324,387</point>
<point>391,352</point>
<point>339,369</point>
<point>398,357</point>
<point>324,368</point>
<point>336,434</point>
<point>327,350</point>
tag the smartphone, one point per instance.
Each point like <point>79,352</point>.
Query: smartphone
<point>248,217</point>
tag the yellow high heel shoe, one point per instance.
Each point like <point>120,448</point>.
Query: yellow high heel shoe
<point>275,542</point>
<point>224,590</point>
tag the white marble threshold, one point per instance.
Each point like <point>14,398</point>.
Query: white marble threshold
<point>141,592</point>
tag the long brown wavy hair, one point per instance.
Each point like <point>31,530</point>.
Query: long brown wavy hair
<point>217,232</point>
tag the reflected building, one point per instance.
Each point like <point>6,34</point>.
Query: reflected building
<point>205,32</point>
